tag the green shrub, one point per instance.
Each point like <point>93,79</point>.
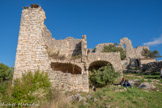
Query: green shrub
<point>113,48</point>
<point>4,86</point>
<point>6,73</point>
<point>31,88</point>
<point>103,76</point>
<point>150,54</point>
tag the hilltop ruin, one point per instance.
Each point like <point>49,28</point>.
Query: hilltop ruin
<point>67,61</point>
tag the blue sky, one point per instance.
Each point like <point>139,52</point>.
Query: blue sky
<point>103,21</point>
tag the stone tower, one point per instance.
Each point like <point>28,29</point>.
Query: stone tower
<point>31,49</point>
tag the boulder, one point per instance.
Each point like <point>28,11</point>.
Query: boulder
<point>146,86</point>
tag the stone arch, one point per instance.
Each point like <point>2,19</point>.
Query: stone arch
<point>112,57</point>
<point>66,67</point>
<point>97,64</point>
<point>128,47</point>
<point>125,42</point>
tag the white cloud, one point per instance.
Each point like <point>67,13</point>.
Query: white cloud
<point>156,41</point>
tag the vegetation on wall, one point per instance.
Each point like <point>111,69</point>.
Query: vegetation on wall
<point>114,48</point>
<point>150,54</point>
<point>55,54</point>
<point>76,57</point>
<point>102,76</point>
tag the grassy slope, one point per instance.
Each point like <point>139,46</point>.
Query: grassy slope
<point>132,98</point>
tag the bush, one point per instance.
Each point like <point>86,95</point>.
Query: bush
<point>6,73</point>
<point>103,76</point>
<point>31,88</point>
<point>113,48</point>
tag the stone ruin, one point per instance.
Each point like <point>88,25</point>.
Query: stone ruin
<point>66,61</point>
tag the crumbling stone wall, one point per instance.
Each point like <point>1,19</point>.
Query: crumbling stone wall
<point>100,47</point>
<point>130,53</point>
<point>112,57</point>
<point>138,51</point>
<point>68,47</point>
<point>36,48</point>
<point>35,45</point>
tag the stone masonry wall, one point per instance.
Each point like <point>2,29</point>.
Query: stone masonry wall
<point>68,47</point>
<point>69,82</point>
<point>112,57</point>
<point>100,47</point>
<point>31,50</point>
<point>130,53</point>
<point>146,61</point>
<point>139,50</point>
<point>84,48</point>
<point>34,43</point>
<point>133,53</point>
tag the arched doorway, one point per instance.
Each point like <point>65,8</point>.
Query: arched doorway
<point>98,64</point>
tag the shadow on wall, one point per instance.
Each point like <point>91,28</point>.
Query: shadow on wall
<point>66,68</point>
<point>77,50</point>
<point>97,64</point>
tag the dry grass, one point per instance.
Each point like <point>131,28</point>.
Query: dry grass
<point>58,100</point>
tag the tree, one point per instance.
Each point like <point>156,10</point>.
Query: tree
<point>113,48</point>
<point>102,76</point>
<point>150,54</point>
<point>6,73</point>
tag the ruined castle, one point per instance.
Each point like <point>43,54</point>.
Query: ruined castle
<point>66,61</point>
